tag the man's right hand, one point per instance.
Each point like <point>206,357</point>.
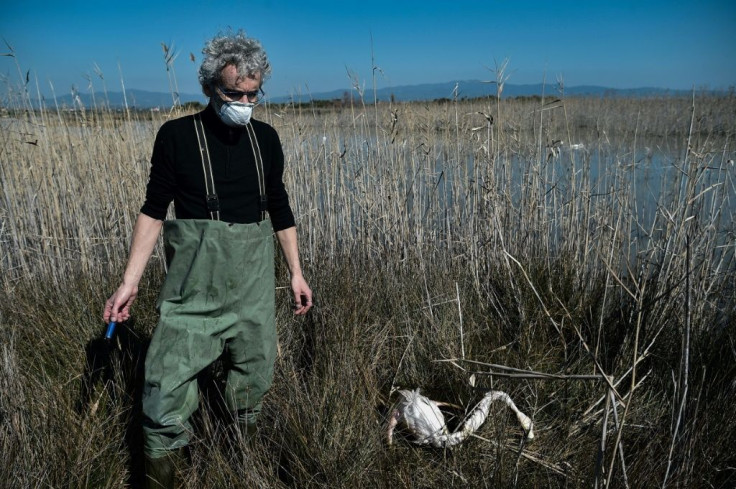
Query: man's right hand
<point>145,234</point>
<point>117,307</point>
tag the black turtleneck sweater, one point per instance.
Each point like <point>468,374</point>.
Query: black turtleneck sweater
<point>176,172</point>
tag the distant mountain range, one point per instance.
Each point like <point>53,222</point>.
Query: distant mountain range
<point>139,99</point>
<point>468,89</point>
<point>465,89</point>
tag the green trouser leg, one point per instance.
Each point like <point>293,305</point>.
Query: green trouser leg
<point>219,291</point>
<point>165,472</point>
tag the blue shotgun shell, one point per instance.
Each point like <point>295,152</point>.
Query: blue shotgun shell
<point>110,331</point>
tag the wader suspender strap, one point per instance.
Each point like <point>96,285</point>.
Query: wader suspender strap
<point>213,202</point>
<point>259,168</point>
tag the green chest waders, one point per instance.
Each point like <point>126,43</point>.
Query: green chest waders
<point>219,290</point>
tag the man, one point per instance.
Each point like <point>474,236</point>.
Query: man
<point>223,171</point>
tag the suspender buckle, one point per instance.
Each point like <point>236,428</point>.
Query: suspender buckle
<point>213,203</point>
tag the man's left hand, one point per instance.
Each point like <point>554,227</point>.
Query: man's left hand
<point>302,295</point>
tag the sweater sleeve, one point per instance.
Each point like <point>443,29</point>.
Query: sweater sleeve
<point>162,179</point>
<point>279,209</point>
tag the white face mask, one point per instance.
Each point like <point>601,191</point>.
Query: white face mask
<point>234,114</point>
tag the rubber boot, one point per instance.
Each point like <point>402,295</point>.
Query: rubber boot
<point>245,426</point>
<point>248,432</point>
<point>241,434</point>
<point>165,472</point>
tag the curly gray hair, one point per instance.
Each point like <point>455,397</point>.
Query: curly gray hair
<point>237,49</point>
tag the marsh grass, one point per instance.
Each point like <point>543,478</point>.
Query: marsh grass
<point>410,216</point>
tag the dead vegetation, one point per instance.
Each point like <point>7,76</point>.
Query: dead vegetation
<point>576,253</point>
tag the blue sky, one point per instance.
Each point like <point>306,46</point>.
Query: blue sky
<point>312,45</point>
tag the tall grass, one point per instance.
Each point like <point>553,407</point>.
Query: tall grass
<point>614,260</point>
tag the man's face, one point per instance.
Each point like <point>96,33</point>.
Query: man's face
<point>236,88</point>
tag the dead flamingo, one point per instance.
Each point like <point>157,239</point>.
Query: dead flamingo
<point>425,421</point>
